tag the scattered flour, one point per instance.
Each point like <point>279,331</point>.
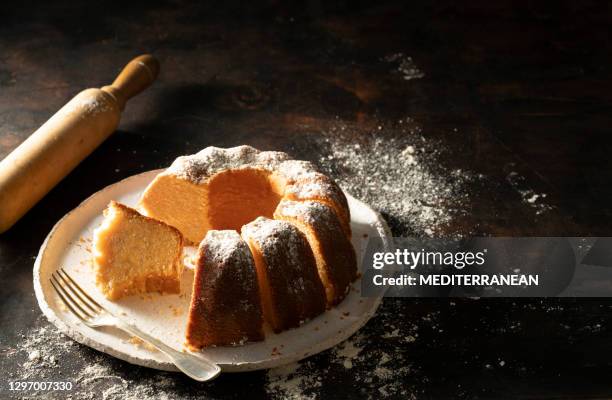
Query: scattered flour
<point>293,382</point>
<point>405,66</point>
<point>41,350</point>
<point>366,366</point>
<point>396,170</point>
<point>42,356</point>
<point>348,350</point>
<point>93,106</point>
<point>394,333</point>
<point>86,106</point>
<point>528,195</point>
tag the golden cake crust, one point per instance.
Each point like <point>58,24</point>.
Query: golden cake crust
<point>292,292</point>
<point>334,253</point>
<point>225,305</point>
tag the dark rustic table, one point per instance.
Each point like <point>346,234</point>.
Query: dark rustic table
<point>507,87</point>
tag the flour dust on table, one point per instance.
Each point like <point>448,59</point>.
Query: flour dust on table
<point>400,171</point>
<point>395,169</point>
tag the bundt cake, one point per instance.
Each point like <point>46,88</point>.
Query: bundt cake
<point>292,258</point>
<point>225,305</point>
<point>291,290</point>
<point>209,190</point>
<point>136,254</point>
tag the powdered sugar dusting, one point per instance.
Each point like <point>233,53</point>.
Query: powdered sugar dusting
<point>224,252</point>
<point>270,234</point>
<point>226,246</point>
<point>307,189</point>
<point>311,212</point>
<point>317,187</point>
<point>294,170</point>
<point>204,164</point>
<point>283,242</point>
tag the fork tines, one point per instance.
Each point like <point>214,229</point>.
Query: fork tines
<point>74,297</point>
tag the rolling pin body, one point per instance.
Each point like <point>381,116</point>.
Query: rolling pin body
<point>58,146</point>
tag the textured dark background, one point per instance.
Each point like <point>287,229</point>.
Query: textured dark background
<point>526,85</point>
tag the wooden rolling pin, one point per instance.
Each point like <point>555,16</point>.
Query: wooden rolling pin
<point>50,153</point>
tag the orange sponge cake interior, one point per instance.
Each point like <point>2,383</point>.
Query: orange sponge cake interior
<point>237,197</point>
<point>136,254</point>
<point>178,202</point>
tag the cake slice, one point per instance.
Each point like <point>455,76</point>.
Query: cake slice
<point>225,304</point>
<point>136,254</point>
<point>333,251</point>
<point>291,291</point>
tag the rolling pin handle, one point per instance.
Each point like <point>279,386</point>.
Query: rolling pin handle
<point>135,77</point>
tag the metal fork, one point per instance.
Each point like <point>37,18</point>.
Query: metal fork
<point>92,314</point>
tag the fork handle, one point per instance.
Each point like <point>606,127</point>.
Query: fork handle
<point>197,368</point>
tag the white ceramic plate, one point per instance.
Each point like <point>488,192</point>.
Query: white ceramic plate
<point>164,316</point>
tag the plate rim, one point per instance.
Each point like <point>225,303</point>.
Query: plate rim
<point>380,225</point>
